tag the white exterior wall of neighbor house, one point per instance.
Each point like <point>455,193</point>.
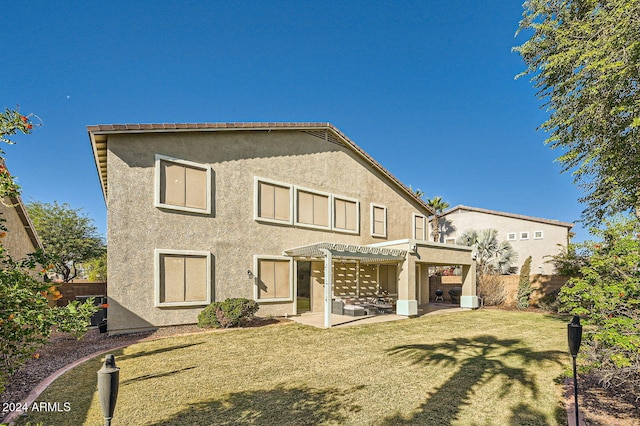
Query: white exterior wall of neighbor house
<point>528,236</point>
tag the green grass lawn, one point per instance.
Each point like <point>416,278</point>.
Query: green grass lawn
<point>485,367</point>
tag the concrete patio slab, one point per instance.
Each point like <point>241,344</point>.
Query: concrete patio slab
<point>316,319</point>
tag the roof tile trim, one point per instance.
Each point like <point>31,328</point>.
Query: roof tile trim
<point>512,215</point>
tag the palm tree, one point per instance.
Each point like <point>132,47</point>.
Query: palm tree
<point>492,256</point>
<point>438,206</point>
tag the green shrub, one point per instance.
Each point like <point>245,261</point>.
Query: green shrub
<point>230,313</point>
<point>524,286</point>
<point>549,302</point>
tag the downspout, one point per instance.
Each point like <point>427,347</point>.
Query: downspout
<point>328,284</point>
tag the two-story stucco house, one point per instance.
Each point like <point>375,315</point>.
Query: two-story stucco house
<point>529,236</point>
<point>267,211</point>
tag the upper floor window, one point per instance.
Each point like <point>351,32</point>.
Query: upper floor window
<point>419,227</point>
<point>312,208</point>
<point>511,236</point>
<point>524,235</point>
<point>537,235</point>
<point>182,278</point>
<point>182,185</point>
<point>378,221</point>
<point>346,214</point>
<point>273,201</point>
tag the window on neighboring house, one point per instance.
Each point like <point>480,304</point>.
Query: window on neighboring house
<point>450,241</point>
<point>182,185</point>
<point>273,280</point>
<point>183,278</point>
<point>511,236</point>
<point>388,278</point>
<point>378,221</point>
<point>537,235</point>
<point>346,215</point>
<point>312,209</point>
<point>419,227</point>
<point>524,235</point>
<point>273,201</point>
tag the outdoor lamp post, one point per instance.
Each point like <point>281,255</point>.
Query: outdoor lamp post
<point>108,383</point>
<point>574,332</point>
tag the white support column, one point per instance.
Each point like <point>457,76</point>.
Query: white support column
<point>328,284</point>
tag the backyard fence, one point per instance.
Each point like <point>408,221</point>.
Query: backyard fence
<point>541,285</point>
<point>76,288</point>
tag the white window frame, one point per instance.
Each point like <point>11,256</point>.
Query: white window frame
<point>524,235</point>
<point>158,283</point>
<point>332,201</point>
<point>256,268</point>
<point>256,200</point>
<point>415,216</point>
<point>158,183</point>
<point>329,196</point>
<point>384,208</point>
<point>512,236</point>
<point>535,237</point>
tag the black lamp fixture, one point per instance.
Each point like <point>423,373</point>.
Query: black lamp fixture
<point>108,384</point>
<point>574,332</point>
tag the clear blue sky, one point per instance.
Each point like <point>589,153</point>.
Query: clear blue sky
<point>427,88</point>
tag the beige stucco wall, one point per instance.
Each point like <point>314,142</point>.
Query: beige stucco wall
<point>17,241</point>
<point>456,223</point>
<point>230,233</point>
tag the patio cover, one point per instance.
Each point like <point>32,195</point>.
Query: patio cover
<point>365,254</point>
<point>328,251</point>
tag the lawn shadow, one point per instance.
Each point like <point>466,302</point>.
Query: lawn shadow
<point>155,376</point>
<point>279,406</point>
<point>156,351</point>
<point>475,361</point>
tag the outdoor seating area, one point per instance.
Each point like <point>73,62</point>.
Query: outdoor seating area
<point>360,306</point>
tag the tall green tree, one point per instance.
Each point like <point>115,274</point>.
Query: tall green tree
<point>584,59</point>
<point>68,236</point>
<point>607,295</point>
<point>438,205</point>
<point>26,319</point>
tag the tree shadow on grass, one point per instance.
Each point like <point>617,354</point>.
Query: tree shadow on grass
<point>156,351</point>
<point>475,361</point>
<point>279,406</point>
<point>155,376</point>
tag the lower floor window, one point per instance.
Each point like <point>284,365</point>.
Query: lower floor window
<point>274,279</point>
<point>183,278</point>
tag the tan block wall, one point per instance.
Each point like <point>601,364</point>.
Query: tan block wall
<point>541,285</point>
<point>230,233</point>
<point>69,291</point>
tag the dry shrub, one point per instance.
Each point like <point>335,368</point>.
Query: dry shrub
<point>491,289</point>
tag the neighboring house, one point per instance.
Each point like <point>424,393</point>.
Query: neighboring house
<point>265,211</point>
<point>529,236</point>
<point>20,238</point>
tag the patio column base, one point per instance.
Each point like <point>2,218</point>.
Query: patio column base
<point>407,307</point>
